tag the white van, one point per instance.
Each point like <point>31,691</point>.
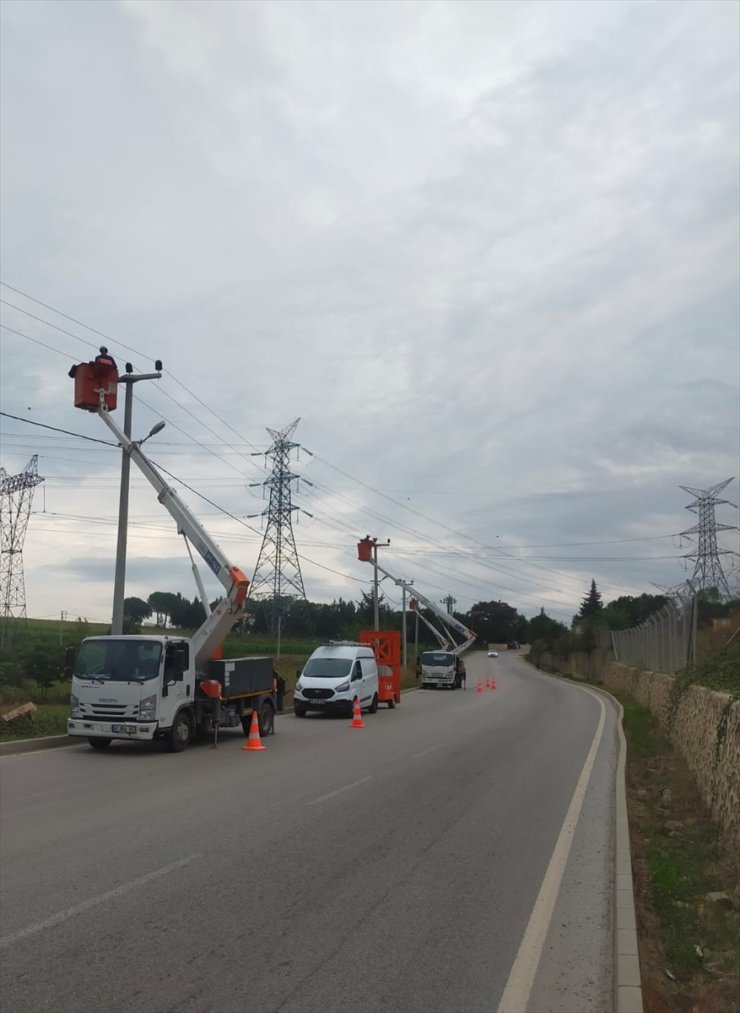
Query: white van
<point>334,675</point>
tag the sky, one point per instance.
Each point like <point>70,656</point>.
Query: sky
<point>486,253</point>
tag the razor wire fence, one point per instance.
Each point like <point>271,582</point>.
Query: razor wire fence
<point>664,642</point>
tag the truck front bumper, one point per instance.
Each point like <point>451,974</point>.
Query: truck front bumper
<point>84,728</point>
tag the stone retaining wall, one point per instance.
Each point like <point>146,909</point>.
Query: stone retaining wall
<point>702,724</point>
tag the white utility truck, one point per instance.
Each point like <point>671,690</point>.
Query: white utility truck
<point>165,687</point>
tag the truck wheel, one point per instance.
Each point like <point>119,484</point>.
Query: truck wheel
<point>266,718</point>
<point>299,712</point>
<point>391,704</point>
<point>99,743</point>
<point>178,737</point>
<point>373,708</point>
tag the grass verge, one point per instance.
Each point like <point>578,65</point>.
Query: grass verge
<point>49,719</point>
<point>687,891</point>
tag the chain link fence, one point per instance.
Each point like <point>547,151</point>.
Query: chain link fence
<point>664,642</point>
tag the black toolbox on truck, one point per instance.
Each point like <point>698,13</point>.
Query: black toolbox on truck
<point>242,676</point>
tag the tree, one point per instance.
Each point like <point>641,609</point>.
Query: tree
<point>543,627</point>
<point>591,604</point>
<point>136,609</point>
<point>43,664</point>
<point>494,621</point>
<point>163,602</point>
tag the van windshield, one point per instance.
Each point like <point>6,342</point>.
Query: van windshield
<point>328,668</point>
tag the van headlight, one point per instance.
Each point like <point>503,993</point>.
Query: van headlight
<point>148,708</point>
<point>74,703</point>
<point>342,689</point>
<point>299,687</point>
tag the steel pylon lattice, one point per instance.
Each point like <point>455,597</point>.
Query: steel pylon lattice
<point>16,495</point>
<point>708,570</point>
<point>277,576</point>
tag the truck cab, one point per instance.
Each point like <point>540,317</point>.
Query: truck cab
<point>442,668</point>
<point>132,687</point>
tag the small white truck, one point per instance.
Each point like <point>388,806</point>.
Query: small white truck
<point>442,668</point>
<point>165,687</point>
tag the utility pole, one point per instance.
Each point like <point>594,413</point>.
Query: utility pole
<point>62,617</point>
<point>376,603</point>
<point>405,636</point>
<point>119,584</point>
<point>414,606</point>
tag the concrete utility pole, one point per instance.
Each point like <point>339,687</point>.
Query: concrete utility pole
<point>129,378</point>
<point>376,604</point>
<point>405,634</point>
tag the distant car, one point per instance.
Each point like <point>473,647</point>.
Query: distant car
<point>493,654</point>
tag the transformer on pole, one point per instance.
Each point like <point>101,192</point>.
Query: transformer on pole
<point>277,576</point>
<point>708,570</point>
<point>16,494</point>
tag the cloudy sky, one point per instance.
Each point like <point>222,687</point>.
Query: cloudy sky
<point>486,252</point>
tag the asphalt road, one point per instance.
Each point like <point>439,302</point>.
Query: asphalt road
<point>452,852</point>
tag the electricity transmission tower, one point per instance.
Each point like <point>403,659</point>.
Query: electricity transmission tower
<point>16,494</point>
<point>708,570</point>
<point>277,576</point>
<point>448,603</point>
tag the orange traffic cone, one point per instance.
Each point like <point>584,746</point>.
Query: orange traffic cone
<point>493,683</point>
<point>488,683</point>
<point>254,741</point>
<point>479,687</point>
<point>357,721</point>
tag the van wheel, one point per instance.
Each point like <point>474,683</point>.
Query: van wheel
<point>178,737</point>
<point>299,712</point>
<point>99,743</point>
<point>391,704</point>
<point>373,709</point>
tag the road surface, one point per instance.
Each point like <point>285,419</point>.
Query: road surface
<point>455,854</point>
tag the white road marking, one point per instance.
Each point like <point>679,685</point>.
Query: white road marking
<point>524,968</point>
<point>71,912</point>
<point>339,791</point>
<point>425,751</point>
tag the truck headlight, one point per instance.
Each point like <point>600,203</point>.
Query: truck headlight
<point>148,708</point>
<point>74,704</point>
<point>342,689</point>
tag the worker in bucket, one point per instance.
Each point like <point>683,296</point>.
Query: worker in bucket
<point>105,357</point>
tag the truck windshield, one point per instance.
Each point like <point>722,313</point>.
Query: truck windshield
<point>435,659</point>
<point>118,660</point>
<point>328,668</point>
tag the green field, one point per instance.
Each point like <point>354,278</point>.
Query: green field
<point>32,659</point>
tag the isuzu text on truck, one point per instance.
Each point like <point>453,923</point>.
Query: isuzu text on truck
<point>168,687</point>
